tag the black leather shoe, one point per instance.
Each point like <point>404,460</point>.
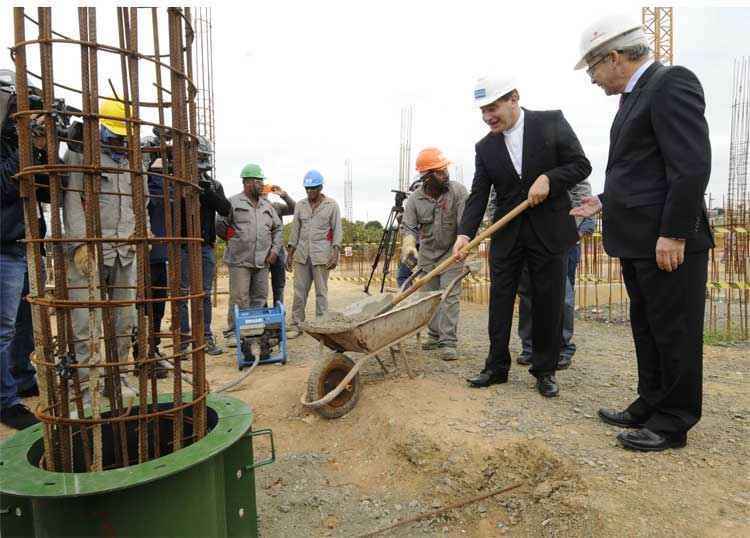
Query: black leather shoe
<point>620,418</point>
<point>564,363</point>
<point>33,390</point>
<point>524,360</point>
<point>547,386</point>
<point>18,417</point>
<point>646,440</point>
<point>485,379</point>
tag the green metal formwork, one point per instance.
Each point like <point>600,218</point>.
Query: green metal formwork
<point>204,490</point>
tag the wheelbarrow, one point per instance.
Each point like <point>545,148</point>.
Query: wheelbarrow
<point>333,386</point>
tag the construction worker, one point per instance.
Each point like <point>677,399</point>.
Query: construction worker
<point>117,220</point>
<point>654,219</point>
<point>278,268</point>
<point>431,215</point>
<point>533,156</point>
<point>253,230</point>
<point>314,245</point>
<point>213,202</point>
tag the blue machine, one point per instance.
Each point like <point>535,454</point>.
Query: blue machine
<point>260,330</point>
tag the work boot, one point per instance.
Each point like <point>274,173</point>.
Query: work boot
<point>18,417</point>
<point>449,353</point>
<point>293,331</point>
<point>30,392</point>
<point>212,348</point>
<point>229,339</point>
<point>432,343</point>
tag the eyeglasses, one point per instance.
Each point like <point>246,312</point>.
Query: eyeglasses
<point>592,67</point>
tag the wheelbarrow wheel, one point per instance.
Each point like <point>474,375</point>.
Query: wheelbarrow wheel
<point>325,376</point>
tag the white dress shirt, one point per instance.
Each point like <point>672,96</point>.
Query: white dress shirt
<point>514,143</point>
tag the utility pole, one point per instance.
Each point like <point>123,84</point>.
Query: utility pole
<point>348,202</point>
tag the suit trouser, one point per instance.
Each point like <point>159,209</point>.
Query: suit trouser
<point>248,288</point>
<point>567,346</point>
<point>305,275</point>
<point>666,316</point>
<point>119,281</point>
<point>444,323</point>
<point>546,275</point>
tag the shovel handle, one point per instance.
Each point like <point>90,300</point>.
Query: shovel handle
<point>448,262</point>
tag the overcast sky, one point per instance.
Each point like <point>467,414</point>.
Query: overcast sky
<point>302,85</point>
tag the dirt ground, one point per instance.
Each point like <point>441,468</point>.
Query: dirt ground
<point>416,445</point>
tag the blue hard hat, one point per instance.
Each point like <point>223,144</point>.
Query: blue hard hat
<point>313,178</point>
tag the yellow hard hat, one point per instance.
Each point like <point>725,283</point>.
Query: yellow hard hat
<point>110,107</point>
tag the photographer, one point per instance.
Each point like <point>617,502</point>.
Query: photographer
<point>13,266</point>
<point>212,201</point>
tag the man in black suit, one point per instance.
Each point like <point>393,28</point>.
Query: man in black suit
<point>534,156</point>
<point>654,220</point>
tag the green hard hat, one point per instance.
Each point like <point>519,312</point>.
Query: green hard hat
<point>252,170</point>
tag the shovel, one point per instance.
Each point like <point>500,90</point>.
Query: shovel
<point>448,262</point>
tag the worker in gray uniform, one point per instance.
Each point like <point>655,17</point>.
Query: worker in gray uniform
<point>117,221</point>
<point>278,267</point>
<point>314,246</point>
<point>432,214</point>
<point>253,232</point>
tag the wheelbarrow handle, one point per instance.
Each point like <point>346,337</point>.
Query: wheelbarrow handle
<point>449,261</point>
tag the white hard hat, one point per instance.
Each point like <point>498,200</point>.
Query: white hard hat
<point>606,30</point>
<point>489,89</point>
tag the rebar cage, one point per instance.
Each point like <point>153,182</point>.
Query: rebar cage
<point>172,112</point>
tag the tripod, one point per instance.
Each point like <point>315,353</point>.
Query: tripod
<point>387,246</point>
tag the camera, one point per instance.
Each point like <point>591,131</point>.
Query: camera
<point>400,196</point>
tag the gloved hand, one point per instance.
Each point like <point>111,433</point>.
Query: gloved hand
<point>81,260</point>
<point>408,247</point>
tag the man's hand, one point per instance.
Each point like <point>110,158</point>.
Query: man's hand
<point>670,253</point>
<point>408,247</point>
<point>40,142</point>
<point>461,242</point>
<point>539,190</point>
<point>590,206</point>
<point>271,258</point>
<point>290,259</point>
<point>278,191</point>
<point>81,260</point>
<point>334,261</point>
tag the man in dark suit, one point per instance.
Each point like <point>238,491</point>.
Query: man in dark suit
<point>655,221</point>
<point>534,156</point>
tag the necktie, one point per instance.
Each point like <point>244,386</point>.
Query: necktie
<point>623,97</point>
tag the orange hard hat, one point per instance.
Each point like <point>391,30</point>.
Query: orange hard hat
<point>431,159</point>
